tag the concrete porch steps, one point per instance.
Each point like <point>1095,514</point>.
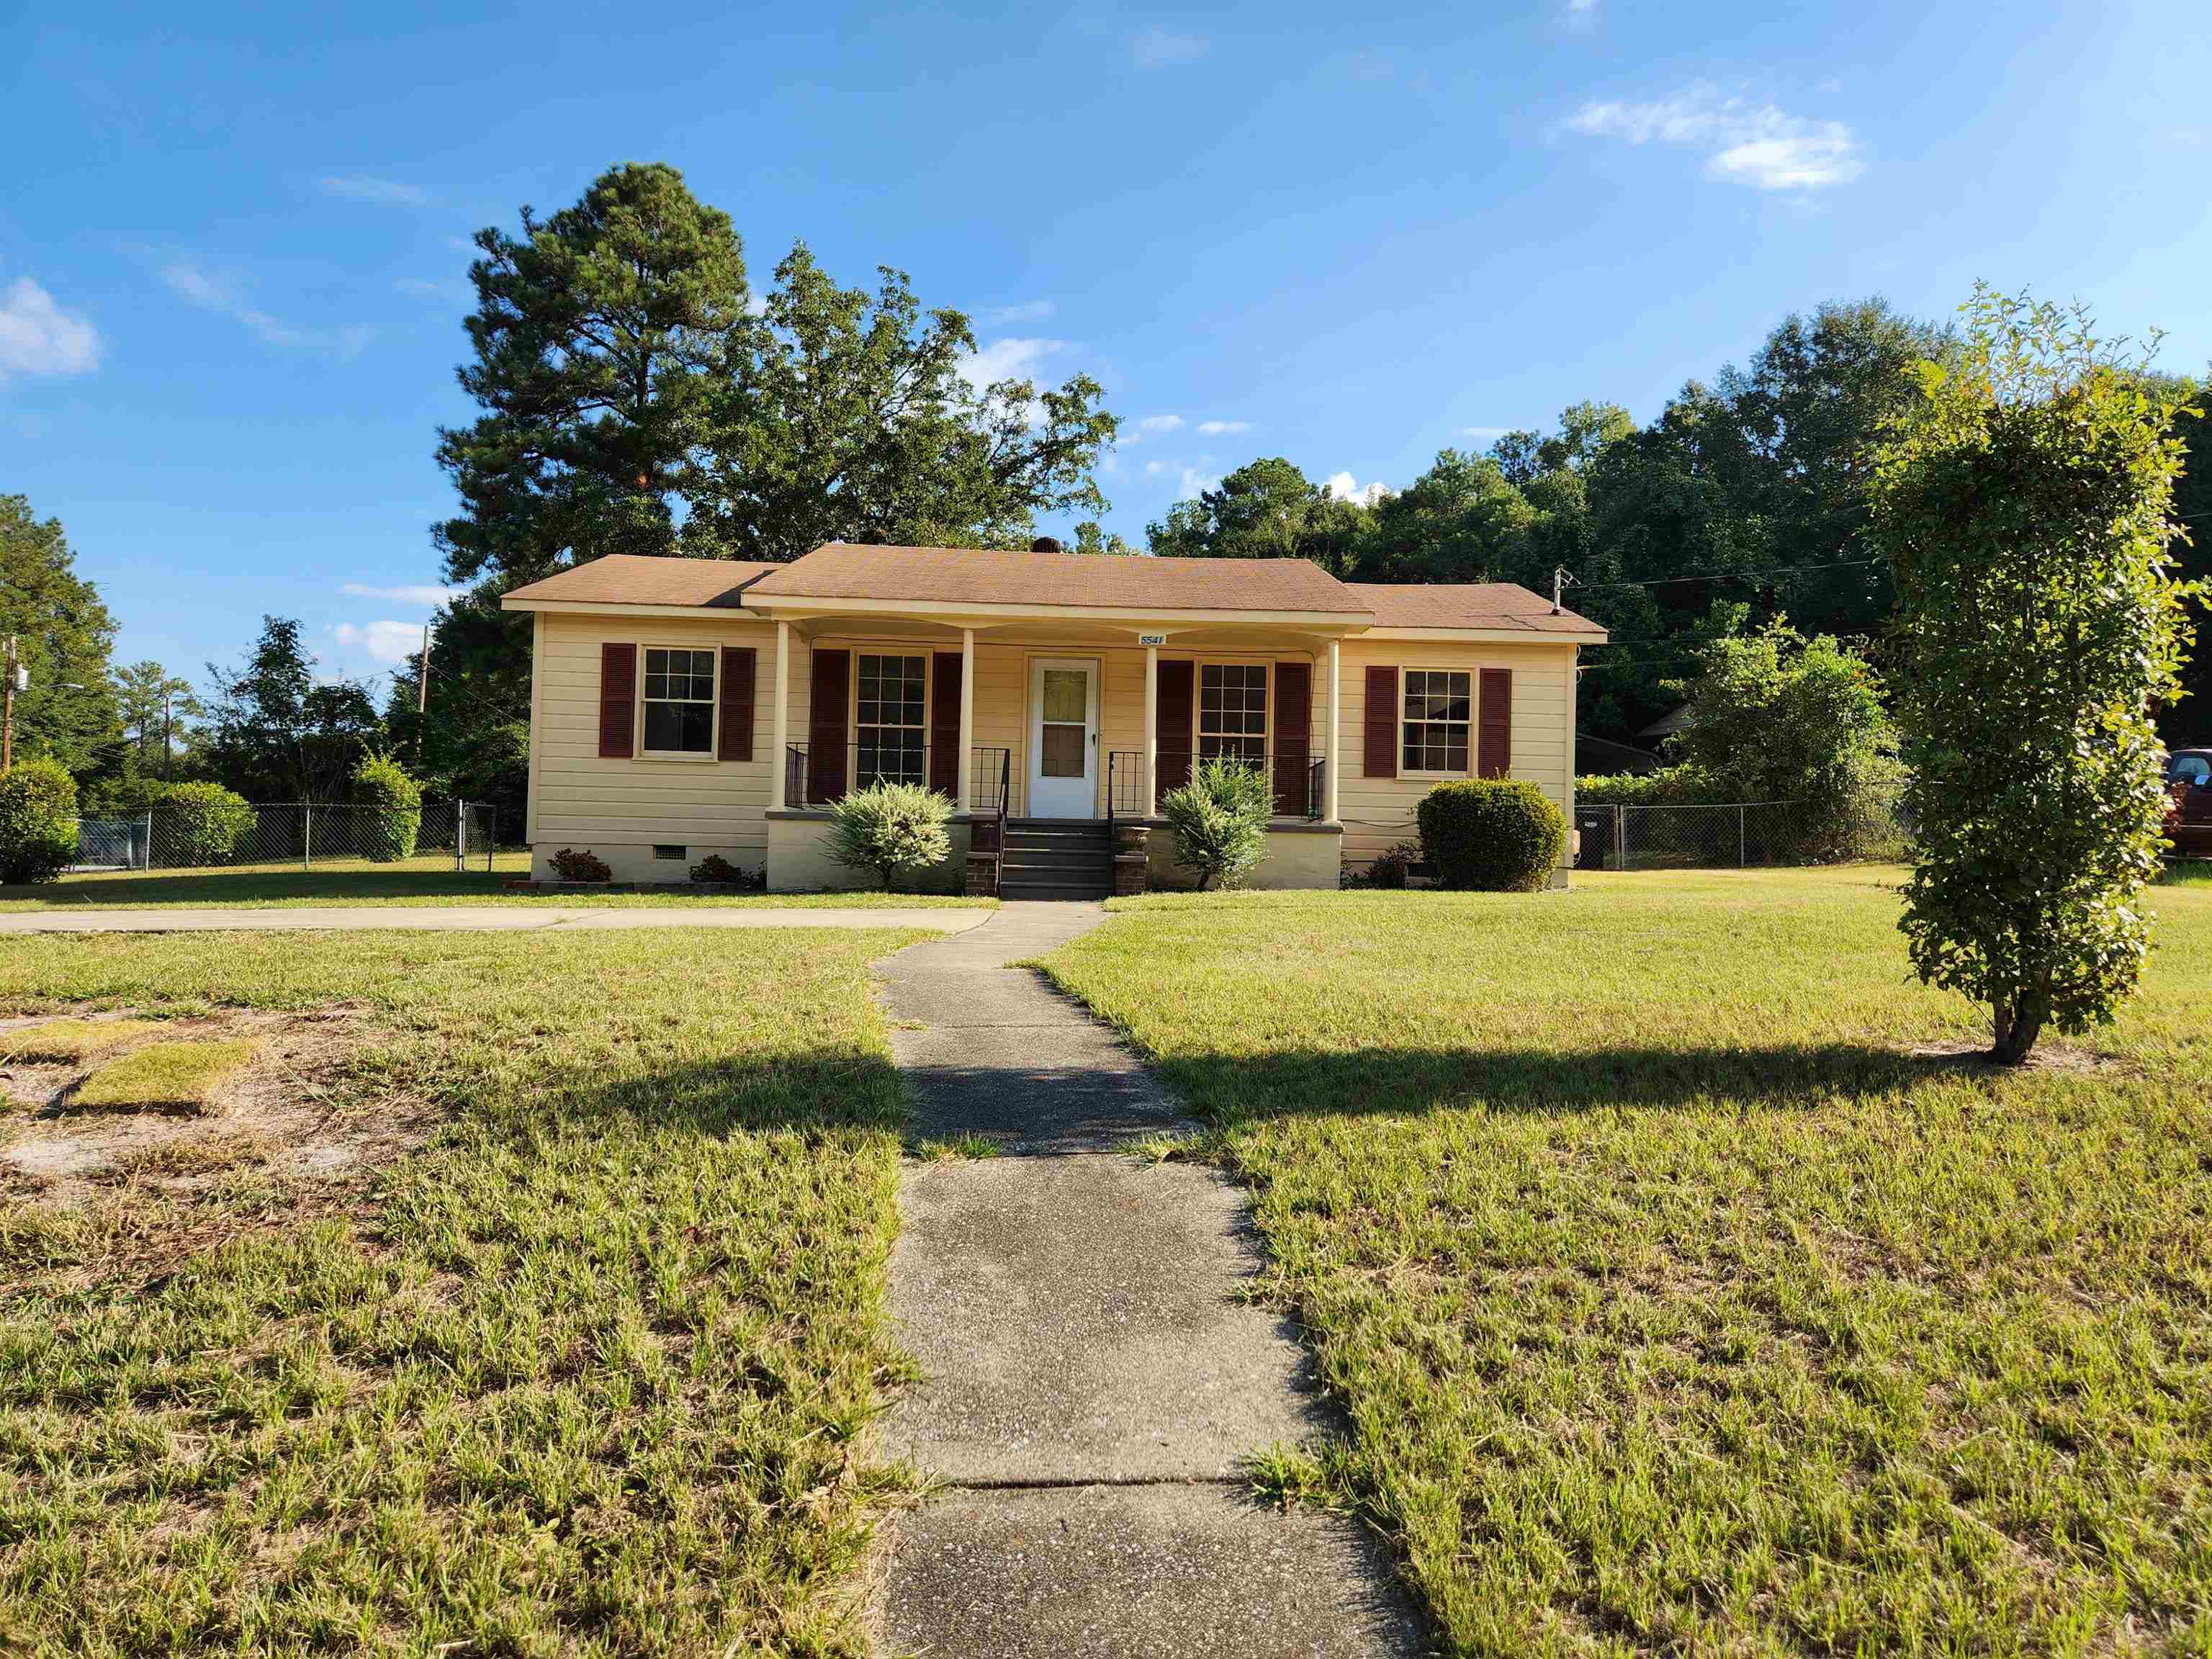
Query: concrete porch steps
<point>1057,859</point>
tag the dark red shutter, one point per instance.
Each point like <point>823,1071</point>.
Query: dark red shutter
<point>1293,738</point>
<point>945,725</point>
<point>617,701</point>
<point>1173,732</point>
<point>1494,745</point>
<point>825,725</point>
<point>1380,759</point>
<point>736,743</point>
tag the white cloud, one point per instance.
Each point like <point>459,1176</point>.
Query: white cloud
<point>421,287</point>
<point>1010,359</point>
<point>384,192</point>
<point>1345,488</point>
<point>1153,469</point>
<point>1581,15</point>
<point>1155,48</point>
<point>1151,427</point>
<point>1029,311</point>
<point>756,305</point>
<point>1195,483</point>
<point>384,641</point>
<point>1745,143</point>
<point>225,297</point>
<point>1216,428</point>
<point>1482,435</point>
<point>37,336</point>
<point>424,593</point>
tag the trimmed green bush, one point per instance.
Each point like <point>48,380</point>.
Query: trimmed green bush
<point>888,829</point>
<point>201,824</point>
<point>38,821</point>
<point>1492,835</point>
<point>391,832</point>
<point>719,871</point>
<point>1679,785</point>
<point>1388,870</point>
<point>570,864</point>
<point>1220,820</point>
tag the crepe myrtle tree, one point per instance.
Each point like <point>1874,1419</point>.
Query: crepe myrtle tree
<point>2025,501</point>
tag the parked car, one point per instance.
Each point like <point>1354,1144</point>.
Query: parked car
<point>2188,809</point>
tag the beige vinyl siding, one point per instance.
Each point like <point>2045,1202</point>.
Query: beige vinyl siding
<point>706,804</point>
<point>577,800</point>
<point>1379,811</point>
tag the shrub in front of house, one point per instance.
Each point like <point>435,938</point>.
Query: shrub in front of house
<point>200,824</point>
<point>38,821</point>
<point>718,871</point>
<point>395,822</point>
<point>1492,835</point>
<point>573,864</point>
<point>1220,821</point>
<point>1388,870</point>
<point>890,829</point>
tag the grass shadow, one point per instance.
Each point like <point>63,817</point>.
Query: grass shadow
<point>1784,1077</point>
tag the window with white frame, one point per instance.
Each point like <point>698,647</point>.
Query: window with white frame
<point>1439,715</point>
<point>678,695</point>
<point>888,711</point>
<point>1232,710</point>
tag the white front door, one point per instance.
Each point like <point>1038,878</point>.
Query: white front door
<point>1063,738</point>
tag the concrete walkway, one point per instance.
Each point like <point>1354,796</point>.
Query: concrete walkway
<point>475,918</point>
<point>1090,1380</point>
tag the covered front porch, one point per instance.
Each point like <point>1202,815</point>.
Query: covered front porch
<point>1052,734</point>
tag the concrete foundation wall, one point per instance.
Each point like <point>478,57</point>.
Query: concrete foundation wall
<point>798,860</point>
<point>1300,858</point>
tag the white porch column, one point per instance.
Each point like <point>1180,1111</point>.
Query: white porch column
<point>779,760</point>
<point>1336,736</point>
<point>1152,731</point>
<point>967,717</point>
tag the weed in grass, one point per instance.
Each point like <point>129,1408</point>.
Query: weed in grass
<point>167,1077</point>
<point>945,1149</point>
<point>1676,1303</point>
<point>1157,1149</point>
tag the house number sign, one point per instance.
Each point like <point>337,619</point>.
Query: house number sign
<point>1152,639</point>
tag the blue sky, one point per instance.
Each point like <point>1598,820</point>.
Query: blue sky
<point>232,241</point>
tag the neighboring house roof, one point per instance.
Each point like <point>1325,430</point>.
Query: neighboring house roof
<point>1668,724</point>
<point>635,579</point>
<point>1603,754</point>
<point>967,575</point>
<point>955,576</point>
<point>1465,604</point>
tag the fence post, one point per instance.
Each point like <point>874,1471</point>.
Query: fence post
<point>460,837</point>
<point>1740,861</point>
<point>1619,836</point>
<point>306,837</point>
<point>146,859</point>
<point>491,836</point>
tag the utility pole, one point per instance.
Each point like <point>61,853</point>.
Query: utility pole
<point>19,679</point>
<point>421,697</point>
<point>1561,579</point>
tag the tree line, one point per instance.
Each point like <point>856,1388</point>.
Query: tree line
<point>637,394</point>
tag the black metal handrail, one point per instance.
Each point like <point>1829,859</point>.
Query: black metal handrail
<point>1297,774</point>
<point>807,782</point>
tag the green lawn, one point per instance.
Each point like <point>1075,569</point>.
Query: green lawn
<point>1676,1303</point>
<point>586,1375</point>
<point>418,881</point>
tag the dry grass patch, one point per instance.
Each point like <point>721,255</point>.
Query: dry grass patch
<point>70,1042</point>
<point>165,1076</point>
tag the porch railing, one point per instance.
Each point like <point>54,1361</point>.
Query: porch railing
<point>1296,773</point>
<point>812,779</point>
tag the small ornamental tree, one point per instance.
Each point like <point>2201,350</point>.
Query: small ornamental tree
<point>201,824</point>
<point>1220,820</point>
<point>38,821</point>
<point>2025,505</point>
<point>395,820</point>
<point>891,829</point>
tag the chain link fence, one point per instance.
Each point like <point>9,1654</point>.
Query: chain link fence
<point>297,835</point>
<point>1742,835</point>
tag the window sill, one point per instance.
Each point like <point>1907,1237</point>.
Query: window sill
<point>678,757</point>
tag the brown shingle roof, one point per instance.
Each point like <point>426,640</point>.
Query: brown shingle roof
<point>1465,604</point>
<point>633,578</point>
<point>957,575</point>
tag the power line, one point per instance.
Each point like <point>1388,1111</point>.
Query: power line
<point>1734,575</point>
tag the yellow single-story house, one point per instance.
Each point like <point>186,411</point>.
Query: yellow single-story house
<point>680,708</point>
